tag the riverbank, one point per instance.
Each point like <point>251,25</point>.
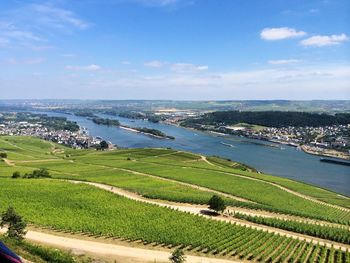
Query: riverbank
<point>324,152</point>
<point>305,148</point>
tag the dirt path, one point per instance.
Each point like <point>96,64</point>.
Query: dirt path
<point>38,160</point>
<point>203,158</point>
<point>112,250</point>
<point>198,210</point>
<point>8,162</point>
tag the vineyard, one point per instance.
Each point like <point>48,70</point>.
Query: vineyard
<point>271,197</point>
<point>81,208</point>
<point>164,174</point>
<point>332,233</point>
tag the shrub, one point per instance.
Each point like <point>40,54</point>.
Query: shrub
<point>177,256</point>
<point>14,222</point>
<point>217,203</point>
<point>41,173</point>
<point>16,174</point>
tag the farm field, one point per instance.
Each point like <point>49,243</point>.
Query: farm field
<point>82,208</point>
<point>169,175</point>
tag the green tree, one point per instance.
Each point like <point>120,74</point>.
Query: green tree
<point>3,155</point>
<point>178,256</point>
<point>217,203</point>
<point>15,224</point>
<point>104,145</point>
<point>16,174</point>
<point>41,173</point>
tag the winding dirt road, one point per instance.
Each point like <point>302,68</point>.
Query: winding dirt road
<point>112,250</point>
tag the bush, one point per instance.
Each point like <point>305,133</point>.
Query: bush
<point>217,203</point>
<point>177,256</point>
<point>16,174</point>
<point>14,222</point>
<point>41,173</point>
<point>3,155</point>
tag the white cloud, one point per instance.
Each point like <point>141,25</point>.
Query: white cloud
<point>28,24</point>
<point>126,62</point>
<point>69,55</point>
<point>4,42</point>
<point>21,35</point>
<point>40,47</point>
<point>154,64</point>
<point>314,10</point>
<point>31,61</point>
<point>57,17</point>
<point>321,41</point>
<point>310,82</point>
<point>280,33</point>
<point>283,61</point>
<point>162,3</point>
<point>176,67</point>
<point>34,61</point>
<point>186,67</point>
<point>91,67</point>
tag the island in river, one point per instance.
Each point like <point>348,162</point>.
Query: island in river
<point>144,130</point>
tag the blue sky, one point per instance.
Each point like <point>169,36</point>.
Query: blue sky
<point>175,49</point>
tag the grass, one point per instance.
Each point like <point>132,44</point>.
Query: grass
<point>36,253</point>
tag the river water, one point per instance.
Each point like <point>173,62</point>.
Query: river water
<point>284,161</point>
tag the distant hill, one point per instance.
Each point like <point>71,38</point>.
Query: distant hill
<point>268,119</point>
<point>327,106</point>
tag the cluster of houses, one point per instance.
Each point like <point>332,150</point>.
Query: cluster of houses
<point>77,140</point>
<point>334,137</point>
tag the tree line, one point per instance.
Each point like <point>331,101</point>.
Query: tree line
<point>269,119</point>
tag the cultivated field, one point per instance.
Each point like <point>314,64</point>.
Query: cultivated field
<point>279,220</point>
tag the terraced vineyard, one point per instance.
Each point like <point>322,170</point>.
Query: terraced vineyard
<point>339,234</point>
<point>81,208</point>
<point>163,174</point>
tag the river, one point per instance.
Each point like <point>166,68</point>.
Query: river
<point>284,161</point>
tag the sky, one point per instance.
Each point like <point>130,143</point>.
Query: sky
<point>175,49</point>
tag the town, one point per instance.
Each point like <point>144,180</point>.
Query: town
<point>328,140</point>
<point>79,139</point>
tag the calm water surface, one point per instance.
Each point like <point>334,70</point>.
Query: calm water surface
<point>283,161</point>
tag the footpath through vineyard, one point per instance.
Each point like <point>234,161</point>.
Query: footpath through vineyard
<point>108,250</point>
<point>203,211</point>
<point>203,158</point>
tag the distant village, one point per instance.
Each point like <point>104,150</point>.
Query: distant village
<point>328,140</point>
<point>74,139</point>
